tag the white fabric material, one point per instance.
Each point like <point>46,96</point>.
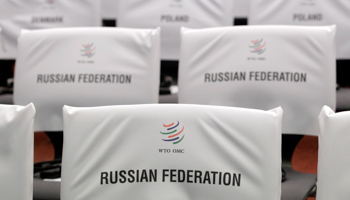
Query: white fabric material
<point>2,43</point>
<point>109,9</point>
<point>171,15</point>
<point>306,12</point>
<point>244,143</point>
<point>16,151</point>
<point>101,66</point>
<point>241,8</point>
<point>261,67</point>
<point>333,156</point>
<point>37,14</point>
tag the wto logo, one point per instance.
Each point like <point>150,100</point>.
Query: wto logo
<point>258,46</point>
<point>173,133</point>
<point>88,50</point>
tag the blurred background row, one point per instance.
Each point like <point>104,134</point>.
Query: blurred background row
<point>170,15</point>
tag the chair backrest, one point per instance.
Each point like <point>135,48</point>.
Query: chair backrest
<point>171,15</point>
<point>171,152</point>
<point>85,67</point>
<point>37,14</point>
<point>306,12</point>
<point>109,9</point>
<point>261,67</point>
<point>16,151</point>
<point>241,9</point>
<point>333,155</point>
<point>2,43</point>
<point>3,47</point>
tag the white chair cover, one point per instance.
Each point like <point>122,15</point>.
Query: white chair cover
<point>16,151</point>
<point>241,8</point>
<point>186,152</point>
<point>109,9</point>
<point>2,43</point>
<point>306,12</point>
<point>37,14</point>
<point>333,156</point>
<point>261,67</point>
<point>171,15</point>
<point>85,67</point>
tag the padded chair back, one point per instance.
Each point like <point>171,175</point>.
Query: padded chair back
<point>85,67</point>
<point>2,43</point>
<point>306,12</point>
<point>170,15</point>
<point>241,8</point>
<point>37,14</point>
<point>171,152</point>
<point>261,67</point>
<point>16,151</point>
<point>333,155</point>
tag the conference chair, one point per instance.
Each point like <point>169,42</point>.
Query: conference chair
<point>333,159</point>
<point>171,152</point>
<point>311,13</point>
<point>171,15</point>
<point>85,67</point>
<point>262,67</point>
<point>16,15</point>
<point>16,151</point>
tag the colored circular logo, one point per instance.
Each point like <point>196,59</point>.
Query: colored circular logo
<point>173,132</point>
<point>88,50</point>
<point>258,46</point>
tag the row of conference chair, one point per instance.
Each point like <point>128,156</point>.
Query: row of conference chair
<point>122,67</point>
<point>259,67</point>
<point>174,151</point>
<point>170,15</point>
<point>110,66</point>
